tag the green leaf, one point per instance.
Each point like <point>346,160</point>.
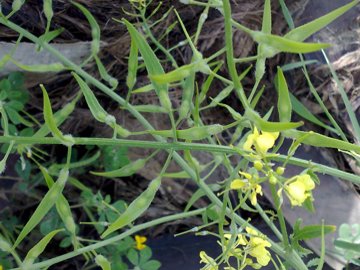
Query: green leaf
<point>151,265</point>
<point>266,22</point>
<point>303,32</point>
<point>302,111</point>
<point>133,257</point>
<point>114,157</point>
<point>16,118</point>
<point>66,242</point>
<point>347,245</point>
<point>17,80</point>
<point>312,231</point>
<point>145,255</point>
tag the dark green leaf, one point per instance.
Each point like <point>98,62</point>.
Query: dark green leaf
<point>133,257</point>
<point>151,265</point>
<point>312,231</point>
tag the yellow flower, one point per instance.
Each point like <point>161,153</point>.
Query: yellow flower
<point>262,142</point>
<point>1,267</point>
<point>299,190</point>
<point>257,247</point>
<point>245,185</point>
<point>210,262</point>
<point>255,190</point>
<point>140,240</point>
<point>237,184</point>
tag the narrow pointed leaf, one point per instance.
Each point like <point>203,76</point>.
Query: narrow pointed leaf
<point>303,32</point>
<point>284,103</point>
<point>267,22</point>
<point>45,205</point>
<point>316,139</point>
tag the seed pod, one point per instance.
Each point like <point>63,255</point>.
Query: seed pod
<point>97,110</point>
<point>62,205</point>
<point>270,126</point>
<point>132,65</point>
<point>105,75</point>
<point>36,250</point>
<point>41,68</point>
<point>45,205</point>
<point>16,5</point>
<point>124,171</point>
<point>59,117</point>
<point>175,75</point>
<point>51,123</point>
<point>95,29</point>
<point>274,44</point>
<point>101,261</point>
<point>152,64</point>
<point>188,93</point>
<point>48,11</point>
<point>222,95</point>
<point>193,134</point>
<point>149,108</point>
<point>284,102</point>
<point>136,208</point>
<point>206,85</point>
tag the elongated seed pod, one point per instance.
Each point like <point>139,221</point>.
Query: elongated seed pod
<point>101,261</point>
<point>194,133</point>
<point>95,28</point>
<point>136,208</point>
<point>45,205</point>
<point>124,171</point>
<point>36,250</point>
<point>284,102</point>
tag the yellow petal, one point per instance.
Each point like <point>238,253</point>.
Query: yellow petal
<point>307,181</point>
<point>253,198</point>
<point>264,142</point>
<point>297,193</point>
<point>237,184</point>
<point>246,175</point>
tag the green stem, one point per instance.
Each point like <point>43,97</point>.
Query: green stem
<point>112,240</point>
<point>280,216</point>
<point>182,146</point>
<point>269,222</point>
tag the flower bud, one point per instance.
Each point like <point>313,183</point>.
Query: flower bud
<point>280,170</point>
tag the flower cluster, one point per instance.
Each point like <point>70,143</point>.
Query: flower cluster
<point>261,141</point>
<point>299,189</point>
<point>248,184</point>
<point>251,244</point>
<point>140,242</point>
